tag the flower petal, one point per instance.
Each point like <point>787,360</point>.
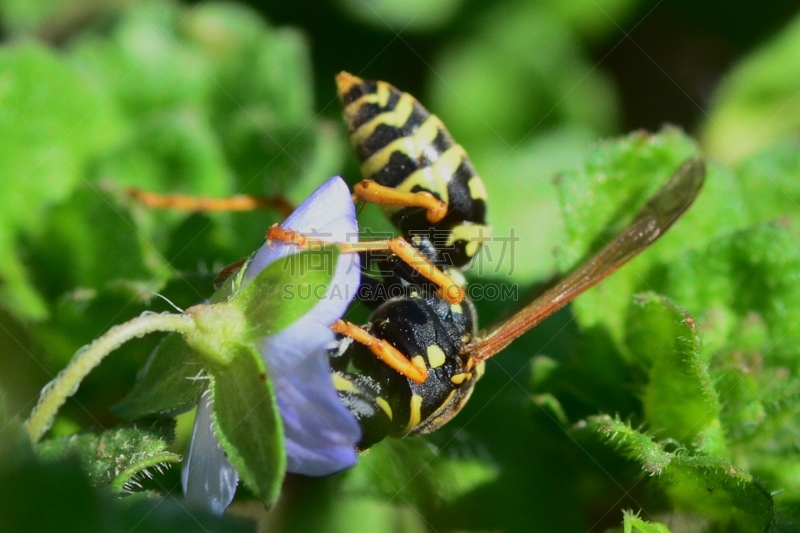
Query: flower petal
<point>328,214</point>
<point>209,479</point>
<point>321,433</point>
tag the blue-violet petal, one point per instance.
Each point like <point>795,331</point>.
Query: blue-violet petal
<point>209,479</point>
<point>321,433</point>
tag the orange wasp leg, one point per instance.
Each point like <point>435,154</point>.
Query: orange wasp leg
<point>179,202</point>
<point>240,202</point>
<point>448,288</point>
<point>375,193</point>
<point>413,368</point>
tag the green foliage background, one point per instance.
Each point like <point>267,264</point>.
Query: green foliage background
<point>670,390</point>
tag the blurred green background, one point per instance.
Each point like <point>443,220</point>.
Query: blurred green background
<point>214,99</point>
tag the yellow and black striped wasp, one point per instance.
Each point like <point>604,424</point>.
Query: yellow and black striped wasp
<point>411,165</point>
<point>414,364</point>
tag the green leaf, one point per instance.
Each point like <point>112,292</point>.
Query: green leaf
<point>20,15</point>
<point>403,15</point>
<point>171,151</point>
<point>286,290</point>
<point>259,76</point>
<point>594,376</point>
<point>490,87</point>
<point>51,20</point>
<point>744,290</point>
<point>751,274</point>
<point>601,198</point>
<point>15,445</point>
<point>44,153</point>
<point>709,486</point>
<point>89,241</point>
<point>144,61</point>
<point>82,315</point>
<point>768,181</point>
<point>247,422</point>
<point>144,513</point>
<point>17,293</point>
<point>680,401</point>
<point>595,19</point>
<point>57,496</point>
<point>615,181</point>
<point>51,121</point>
<point>262,102</point>
<point>171,381</point>
<point>756,104</point>
<point>532,202</point>
<point>399,480</point>
<point>179,144</point>
<point>411,470</point>
<point>631,523</point>
<point>219,103</point>
<point>54,497</point>
<point>117,458</point>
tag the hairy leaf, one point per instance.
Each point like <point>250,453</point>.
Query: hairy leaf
<point>631,523</point>
<point>247,422</point>
<point>706,485</point>
<point>117,457</point>
<point>680,400</point>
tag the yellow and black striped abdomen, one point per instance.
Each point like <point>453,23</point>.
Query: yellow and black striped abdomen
<point>401,145</point>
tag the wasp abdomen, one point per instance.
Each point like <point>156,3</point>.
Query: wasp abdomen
<point>401,145</point>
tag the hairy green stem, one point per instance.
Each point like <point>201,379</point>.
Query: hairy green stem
<point>66,383</point>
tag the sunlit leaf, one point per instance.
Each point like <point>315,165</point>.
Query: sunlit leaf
<point>599,199</point>
<point>753,274</point>
<point>44,154</point>
<point>757,104</point>
<point>631,523</point>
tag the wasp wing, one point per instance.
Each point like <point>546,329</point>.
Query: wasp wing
<point>660,212</point>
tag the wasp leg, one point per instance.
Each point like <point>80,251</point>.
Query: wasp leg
<point>448,290</point>
<point>413,368</point>
<point>375,193</point>
<point>179,202</point>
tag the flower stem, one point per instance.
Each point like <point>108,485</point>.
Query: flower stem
<point>66,383</point>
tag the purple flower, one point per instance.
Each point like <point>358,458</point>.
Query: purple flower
<point>320,432</point>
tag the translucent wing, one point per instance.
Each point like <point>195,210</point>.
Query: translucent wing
<point>650,223</point>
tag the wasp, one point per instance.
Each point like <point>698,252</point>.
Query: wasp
<point>414,364</point>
